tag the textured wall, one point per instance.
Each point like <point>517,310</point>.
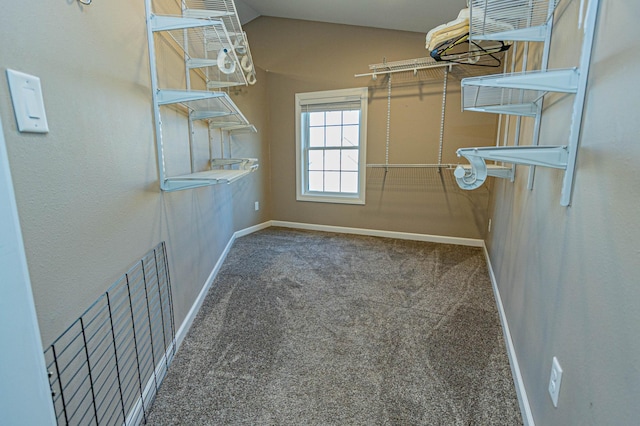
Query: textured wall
<point>302,56</point>
<point>87,192</point>
<point>569,276</point>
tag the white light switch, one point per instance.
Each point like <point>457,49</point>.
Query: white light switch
<point>28,105</point>
<point>31,101</point>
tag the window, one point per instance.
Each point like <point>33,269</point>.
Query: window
<point>331,146</point>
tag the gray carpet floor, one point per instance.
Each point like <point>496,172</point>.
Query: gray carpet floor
<point>311,328</point>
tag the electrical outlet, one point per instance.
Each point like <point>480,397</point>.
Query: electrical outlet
<point>554,381</point>
<point>257,205</point>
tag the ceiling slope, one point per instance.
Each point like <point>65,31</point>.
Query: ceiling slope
<point>404,15</point>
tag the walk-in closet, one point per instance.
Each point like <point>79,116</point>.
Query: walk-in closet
<point>299,212</point>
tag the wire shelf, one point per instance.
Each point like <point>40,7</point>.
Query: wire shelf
<point>210,49</point>
<point>218,9</point>
<point>225,10</point>
<point>215,107</point>
<point>516,93</point>
<point>108,365</point>
<point>501,100</point>
<point>510,19</point>
<point>250,164</point>
<point>405,65</point>
<point>227,170</point>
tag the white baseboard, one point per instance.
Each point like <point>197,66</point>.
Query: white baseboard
<point>385,234</point>
<point>252,229</point>
<point>136,414</point>
<point>523,400</point>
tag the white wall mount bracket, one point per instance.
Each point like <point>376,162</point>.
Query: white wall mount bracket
<point>473,177</point>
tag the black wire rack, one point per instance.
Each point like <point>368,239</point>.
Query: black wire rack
<point>106,368</point>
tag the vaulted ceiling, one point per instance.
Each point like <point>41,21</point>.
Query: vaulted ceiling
<point>405,15</point>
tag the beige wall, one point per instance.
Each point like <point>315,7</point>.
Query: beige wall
<point>302,56</point>
<point>87,192</point>
<point>569,276</point>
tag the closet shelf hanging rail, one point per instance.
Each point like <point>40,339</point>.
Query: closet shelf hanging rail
<point>414,65</point>
<point>414,166</point>
<point>473,176</point>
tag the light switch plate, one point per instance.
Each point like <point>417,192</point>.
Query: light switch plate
<point>28,105</point>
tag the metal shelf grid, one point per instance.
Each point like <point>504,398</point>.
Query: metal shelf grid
<point>224,10</point>
<point>239,168</point>
<point>108,365</point>
<point>515,93</point>
<point>517,20</point>
<point>501,100</point>
<point>201,45</point>
<point>215,107</point>
<point>212,108</point>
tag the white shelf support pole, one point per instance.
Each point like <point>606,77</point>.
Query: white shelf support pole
<point>547,156</point>
<point>578,103</point>
<point>154,94</point>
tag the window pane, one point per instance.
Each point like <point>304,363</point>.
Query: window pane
<point>349,181</point>
<point>332,181</point>
<point>334,135</point>
<point>351,117</point>
<point>332,159</point>
<point>316,136</point>
<point>316,181</point>
<point>351,135</point>
<point>316,161</point>
<point>350,159</point>
<point>316,118</point>
<point>334,118</point>
<point>331,142</point>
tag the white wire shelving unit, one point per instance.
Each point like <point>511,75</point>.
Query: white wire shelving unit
<point>225,11</point>
<point>209,36</point>
<point>514,20</point>
<point>475,60</point>
<point>522,94</point>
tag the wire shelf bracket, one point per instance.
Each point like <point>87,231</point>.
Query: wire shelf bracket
<point>473,176</point>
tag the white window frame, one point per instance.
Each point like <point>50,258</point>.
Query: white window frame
<point>333,97</point>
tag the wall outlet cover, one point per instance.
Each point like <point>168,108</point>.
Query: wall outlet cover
<point>554,381</point>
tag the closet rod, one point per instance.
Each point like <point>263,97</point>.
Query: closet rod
<point>413,166</point>
<point>414,69</point>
